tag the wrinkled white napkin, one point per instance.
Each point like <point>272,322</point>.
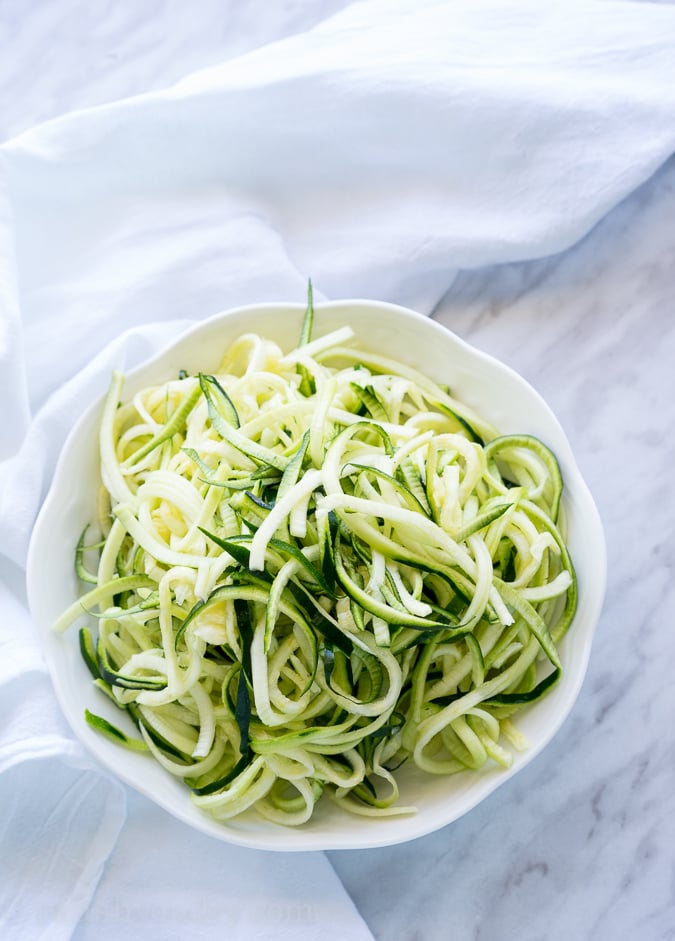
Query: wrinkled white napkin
<point>377,153</point>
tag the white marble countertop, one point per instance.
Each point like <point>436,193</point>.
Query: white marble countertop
<point>581,843</point>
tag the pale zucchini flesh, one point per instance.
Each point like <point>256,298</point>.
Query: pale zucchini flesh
<point>322,567</point>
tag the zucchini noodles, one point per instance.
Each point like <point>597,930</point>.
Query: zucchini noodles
<point>312,568</point>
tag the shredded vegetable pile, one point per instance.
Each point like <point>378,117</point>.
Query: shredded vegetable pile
<point>312,569</point>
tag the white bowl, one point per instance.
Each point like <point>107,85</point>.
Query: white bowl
<point>494,390</point>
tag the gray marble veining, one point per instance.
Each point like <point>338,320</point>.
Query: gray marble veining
<point>581,844</point>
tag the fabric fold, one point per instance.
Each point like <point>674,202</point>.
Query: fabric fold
<point>215,890</point>
<point>61,816</point>
<point>13,385</point>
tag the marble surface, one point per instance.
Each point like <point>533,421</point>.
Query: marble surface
<point>580,844</point>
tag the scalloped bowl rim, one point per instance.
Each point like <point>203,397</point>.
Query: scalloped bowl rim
<point>509,402</point>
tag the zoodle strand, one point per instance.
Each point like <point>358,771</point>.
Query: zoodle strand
<point>312,569</point>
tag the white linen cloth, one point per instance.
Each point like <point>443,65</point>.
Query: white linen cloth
<point>376,153</point>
